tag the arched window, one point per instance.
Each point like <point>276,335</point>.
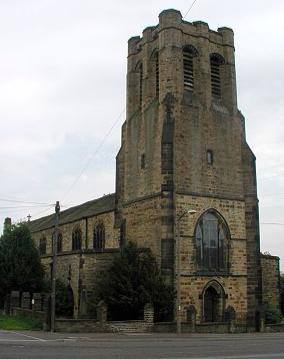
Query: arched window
<point>42,246</point>
<point>59,242</point>
<point>76,239</point>
<point>216,61</point>
<point>211,235</point>
<point>99,237</point>
<point>189,52</point>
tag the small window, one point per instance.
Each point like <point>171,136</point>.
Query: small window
<point>143,161</point>
<point>76,239</point>
<point>42,246</point>
<point>189,52</point>
<point>99,238</point>
<point>210,157</point>
<point>216,61</point>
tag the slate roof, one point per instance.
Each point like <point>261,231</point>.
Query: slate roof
<point>87,209</point>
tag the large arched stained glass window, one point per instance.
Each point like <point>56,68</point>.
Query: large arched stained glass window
<point>212,236</point>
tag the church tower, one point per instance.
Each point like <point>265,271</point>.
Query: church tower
<point>183,147</point>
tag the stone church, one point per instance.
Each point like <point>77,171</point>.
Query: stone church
<point>185,180</point>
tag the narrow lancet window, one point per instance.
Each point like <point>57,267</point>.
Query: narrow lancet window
<point>99,238</point>
<point>76,239</point>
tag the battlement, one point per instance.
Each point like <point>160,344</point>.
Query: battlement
<point>172,19</point>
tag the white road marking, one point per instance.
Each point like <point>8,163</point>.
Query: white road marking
<point>25,335</point>
<point>246,356</point>
<point>18,340</point>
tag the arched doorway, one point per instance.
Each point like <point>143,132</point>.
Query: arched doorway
<point>213,302</point>
<point>211,305</point>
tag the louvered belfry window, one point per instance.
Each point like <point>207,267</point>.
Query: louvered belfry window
<point>189,52</point>
<point>216,61</point>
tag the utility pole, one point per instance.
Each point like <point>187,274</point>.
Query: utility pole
<point>54,259</point>
<point>178,300</point>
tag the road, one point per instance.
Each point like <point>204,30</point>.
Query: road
<point>40,345</point>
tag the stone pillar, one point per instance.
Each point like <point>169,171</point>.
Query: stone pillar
<point>15,299</point>
<point>45,302</point>
<point>36,302</point>
<point>191,318</point>
<point>102,312</point>
<point>26,300</point>
<point>83,303</point>
<point>149,313</point>
<point>7,304</point>
<point>230,318</point>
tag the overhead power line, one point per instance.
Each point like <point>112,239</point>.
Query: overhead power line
<point>20,201</point>
<point>191,6</point>
<point>27,207</point>
<point>93,155</point>
<point>272,223</point>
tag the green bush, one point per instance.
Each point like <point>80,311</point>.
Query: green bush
<point>132,280</point>
<point>272,315</point>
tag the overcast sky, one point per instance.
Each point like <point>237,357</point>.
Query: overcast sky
<point>62,88</point>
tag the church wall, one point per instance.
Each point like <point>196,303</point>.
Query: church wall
<point>79,268</point>
<point>270,280</point>
<point>234,281</point>
<point>143,223</point>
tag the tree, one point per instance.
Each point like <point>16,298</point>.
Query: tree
<point>131,281</point>
<point>20,267</point>
<point>64,301</point>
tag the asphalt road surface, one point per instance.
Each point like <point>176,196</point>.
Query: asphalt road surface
<point>40,345</point>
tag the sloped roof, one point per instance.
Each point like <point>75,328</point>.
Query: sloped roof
<point>87,209</point>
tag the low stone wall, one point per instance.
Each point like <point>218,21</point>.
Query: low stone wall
<point>275,327</point>
<point>130,326</point>
<point>94,326</point>
<point>79,326</point>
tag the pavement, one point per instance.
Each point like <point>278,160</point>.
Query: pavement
<point>42,345</point>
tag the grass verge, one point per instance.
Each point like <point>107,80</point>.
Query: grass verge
<point>19,322</point>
